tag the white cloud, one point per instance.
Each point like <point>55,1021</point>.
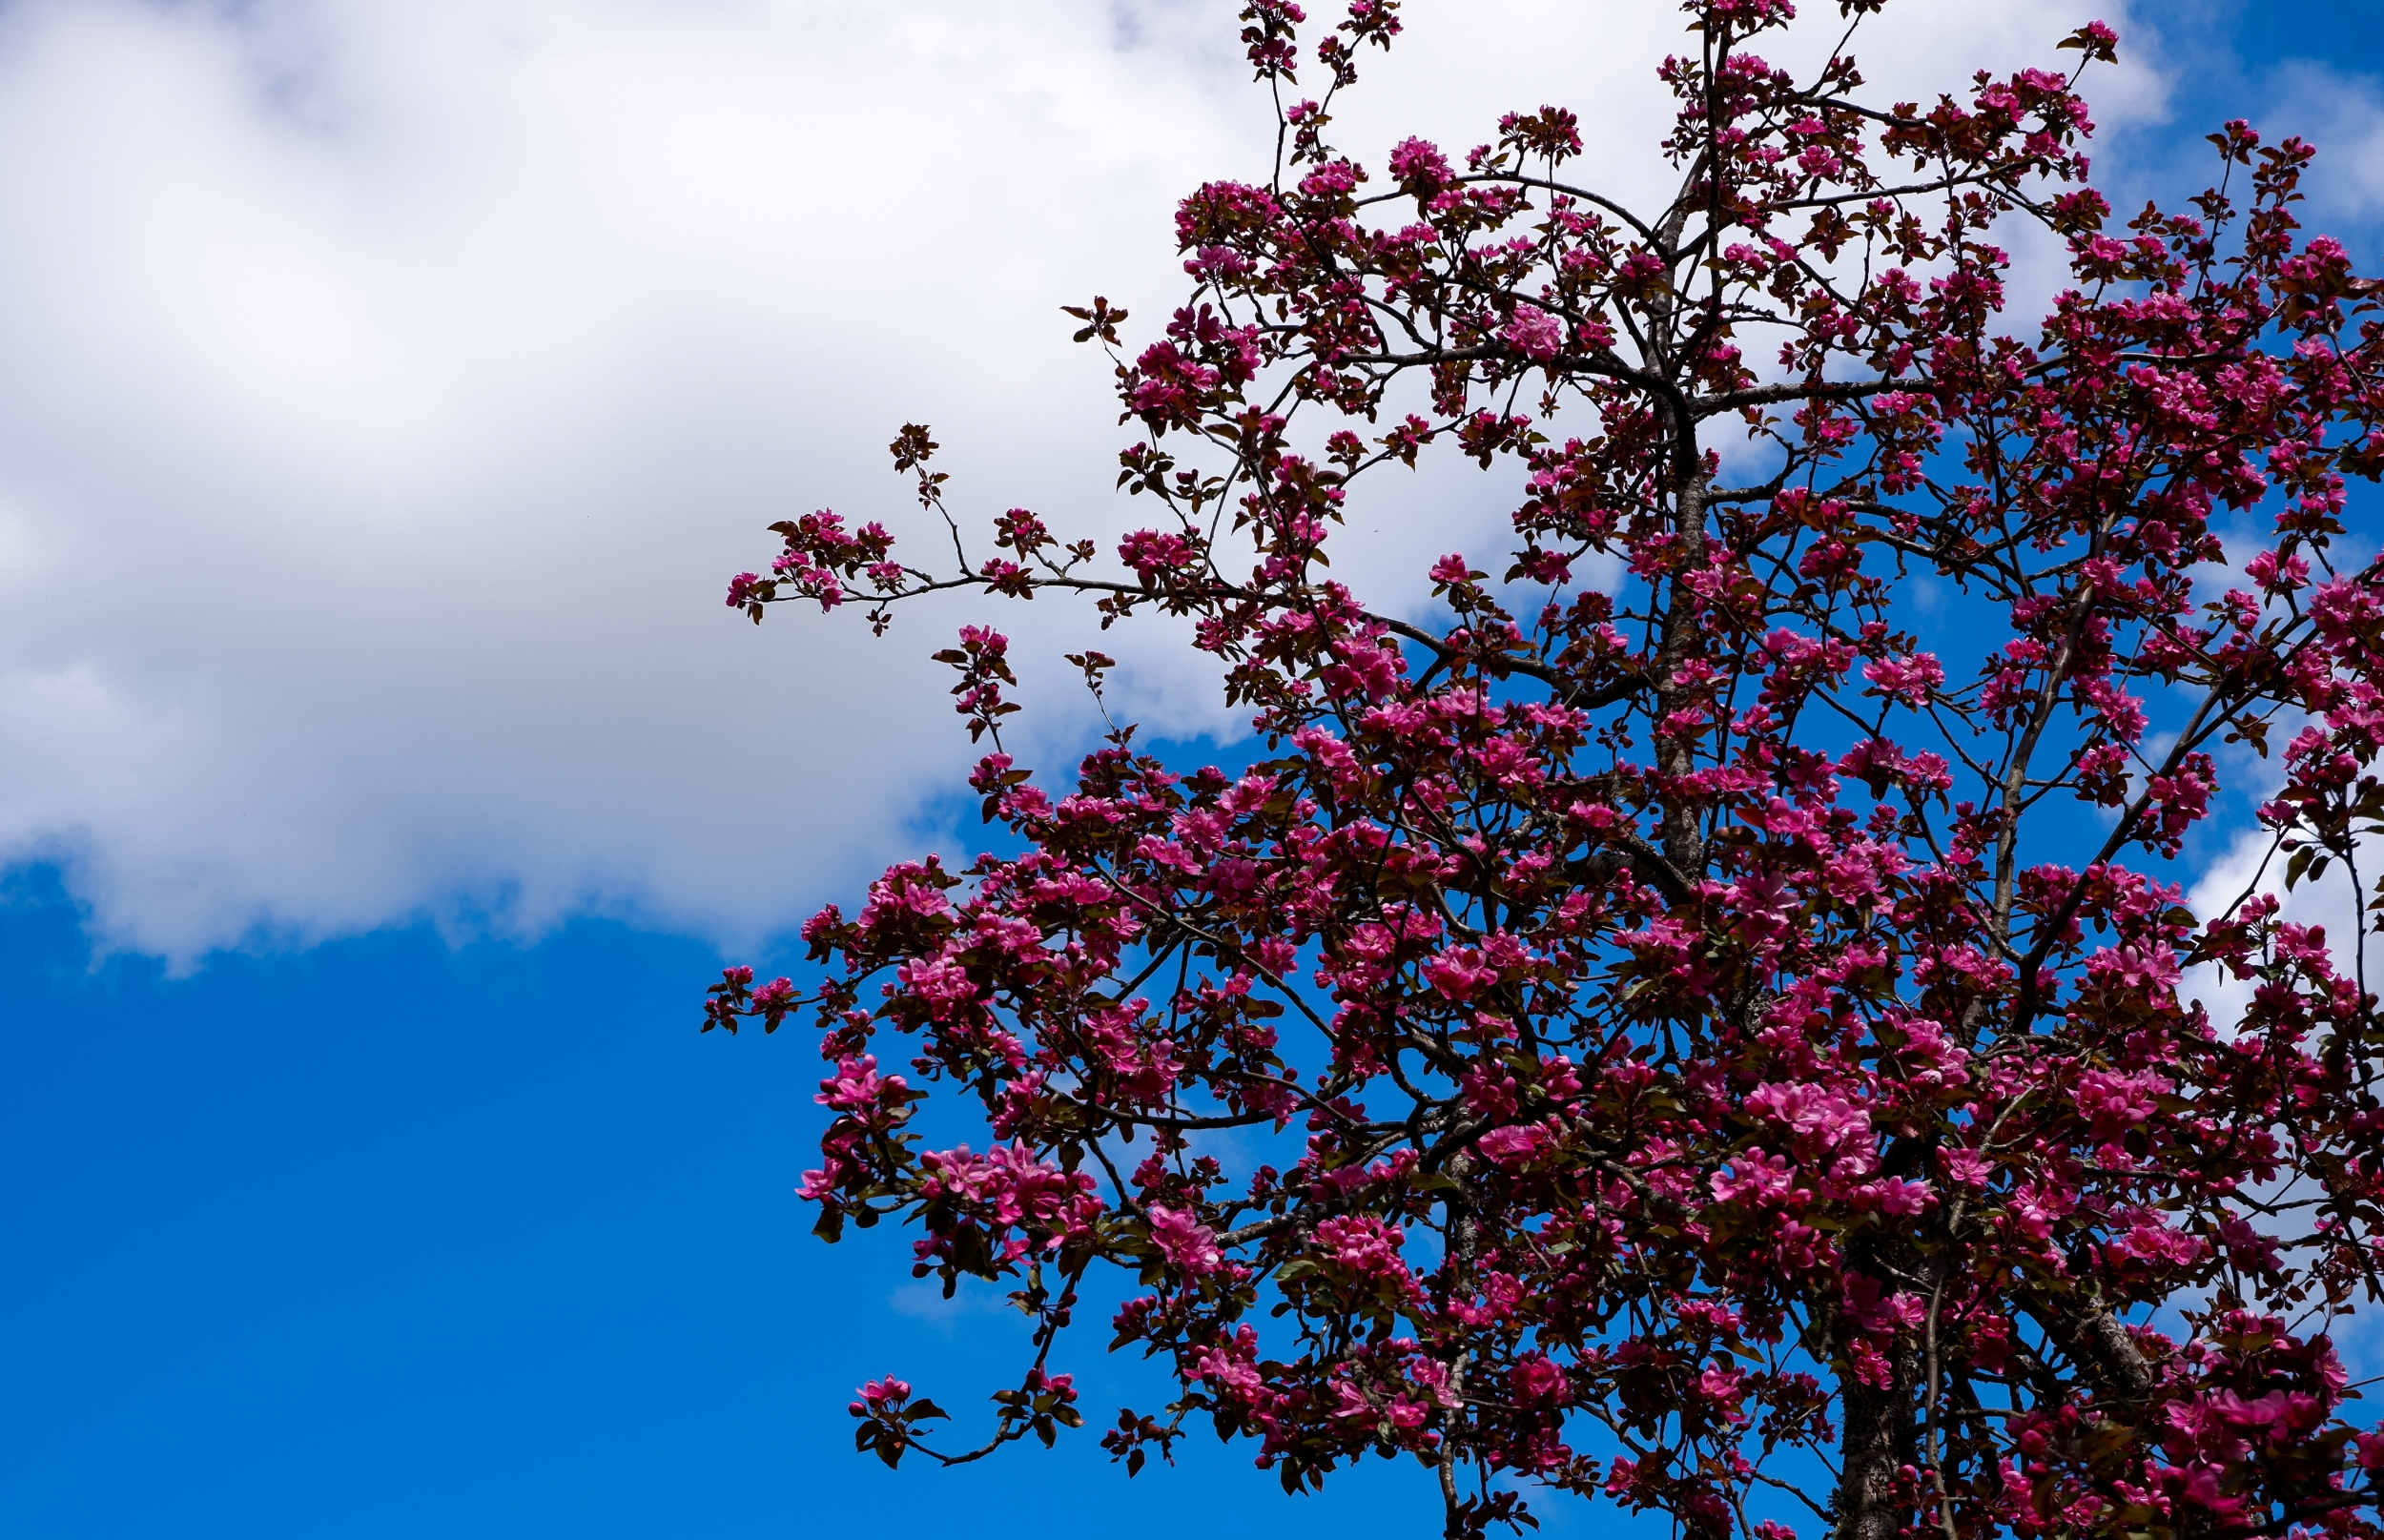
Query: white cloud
<point>923,1301</point>
<point>2252,864</point>
<point>2343,114</point>
<point>389,388</point>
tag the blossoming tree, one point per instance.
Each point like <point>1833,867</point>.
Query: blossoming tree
<point>1722,1034</point>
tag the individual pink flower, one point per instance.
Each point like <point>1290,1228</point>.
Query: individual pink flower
<point>1188,1245</point>
<point>1534,332</point>
<point>1511,1147</point>
<point>1536,1380</point>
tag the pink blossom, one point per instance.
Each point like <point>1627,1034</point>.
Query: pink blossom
<point>1966,1168</point>
<point>885,1392</point>
<point>1535,1380</point>
<point>1534,332</point>
<point>1188,1245</point>
<point>1909,680</point>
<point>1753,1178</point>
<point>1513,1147</point>
<point>1364,1244</point>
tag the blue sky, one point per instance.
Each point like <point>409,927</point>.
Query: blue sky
<point>389,389</point>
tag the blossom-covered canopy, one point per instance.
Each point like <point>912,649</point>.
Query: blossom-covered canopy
<point>1723,998</point>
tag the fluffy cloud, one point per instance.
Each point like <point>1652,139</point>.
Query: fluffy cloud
<point>389,389</point>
